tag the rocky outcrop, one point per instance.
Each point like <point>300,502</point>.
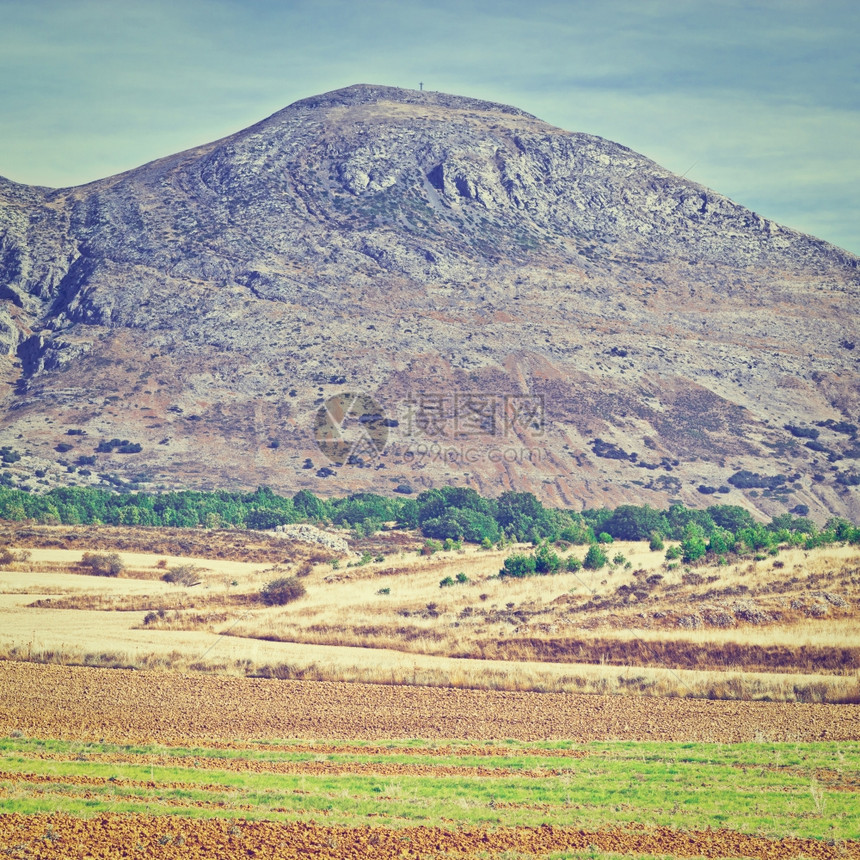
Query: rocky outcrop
<point>311,534</point>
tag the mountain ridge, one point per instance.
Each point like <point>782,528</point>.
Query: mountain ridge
<point>414,243</point>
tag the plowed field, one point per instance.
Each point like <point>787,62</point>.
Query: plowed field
<point>84,703</point>
<point>100,763</point>
<point>112,836</point>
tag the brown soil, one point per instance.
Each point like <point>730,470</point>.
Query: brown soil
<point>125,705</point>
<point>112,836</point>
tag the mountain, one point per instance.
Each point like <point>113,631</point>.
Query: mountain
<point>518,305</point>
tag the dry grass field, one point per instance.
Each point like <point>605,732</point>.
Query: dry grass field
<point>782,628</point>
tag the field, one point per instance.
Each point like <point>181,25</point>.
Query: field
<point>381,715</point>
<point>146,755</point>
<point>779,627</point>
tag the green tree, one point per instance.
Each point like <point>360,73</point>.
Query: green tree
<point>631,522</point>
<point>730,517</point>
<point>595,558</point>
<point>721,541</point>
<point>693,545</point>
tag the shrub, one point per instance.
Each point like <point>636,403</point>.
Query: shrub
<point>573,564</point>
<point>183,574</point>
<point>618,558</point>
<point>674,552</point>
<point>462,578</point>
<point>744,480</point>
<point>656,542</point>
<point>9,455</point>
<point>802,432</point>
<point>546,561</point>
<point>103,564</point>
<point>604,537</point>
<point>595,558</point>
<point>281,591</point>
<point>446,582</point>
<point>519,566</point>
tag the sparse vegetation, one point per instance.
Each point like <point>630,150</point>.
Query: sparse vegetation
<point>183,574</point>
<point>102,564</point>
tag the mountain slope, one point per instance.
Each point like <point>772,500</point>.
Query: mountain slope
<point>456,260</point>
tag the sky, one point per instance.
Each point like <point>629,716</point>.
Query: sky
<point>757,99</point>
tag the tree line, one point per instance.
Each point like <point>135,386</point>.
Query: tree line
<point>455,513</point>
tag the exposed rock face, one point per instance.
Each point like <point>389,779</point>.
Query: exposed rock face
<point>535,308</point>
<point>311,534</point>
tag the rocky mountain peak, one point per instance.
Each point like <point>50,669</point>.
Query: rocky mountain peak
<point>363,94</point>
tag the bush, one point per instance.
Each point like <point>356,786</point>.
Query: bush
<point>573,564</point>
<point>546,561</point>
<point>595,558</point>
<point>447,582</point>
<point>802,432</point>
<point>281,591</point>
<point>604,537</point>
<point>431,547</point>
<point>519,566</point>
<point>183,574</point>
<point>656,542</point>
<point>103,564</point>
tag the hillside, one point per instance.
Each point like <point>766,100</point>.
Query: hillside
<point>530,308</point>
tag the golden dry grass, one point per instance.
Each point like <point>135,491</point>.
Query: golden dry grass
<point>572,631</point>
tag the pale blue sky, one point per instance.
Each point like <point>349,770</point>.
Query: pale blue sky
<point>758,99</point>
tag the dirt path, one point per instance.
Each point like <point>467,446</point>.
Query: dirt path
<point>126,705</point>
<point>110,836</point>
